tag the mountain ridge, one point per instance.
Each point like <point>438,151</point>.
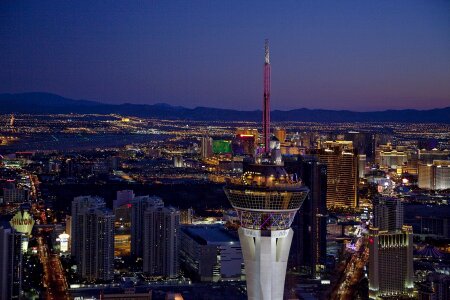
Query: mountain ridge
<point>48,103</point>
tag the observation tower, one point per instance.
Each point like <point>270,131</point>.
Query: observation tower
<point>266,199</point>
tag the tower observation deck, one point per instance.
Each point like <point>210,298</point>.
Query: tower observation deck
<point>266,200</point>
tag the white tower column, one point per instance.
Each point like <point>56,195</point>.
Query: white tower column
<point>265,255</point>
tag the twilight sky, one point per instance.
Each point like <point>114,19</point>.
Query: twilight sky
<point>358,55</point>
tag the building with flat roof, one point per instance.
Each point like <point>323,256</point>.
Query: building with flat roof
<point>211,253</point>
<point>161,241</point>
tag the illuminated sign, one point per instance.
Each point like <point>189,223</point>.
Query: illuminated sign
<point>22,222</point>
<point>64,242</point>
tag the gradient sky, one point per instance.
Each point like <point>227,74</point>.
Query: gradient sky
<point>358,55</point>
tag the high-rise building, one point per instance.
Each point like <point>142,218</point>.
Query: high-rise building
<point>78,205</point>
<point>388,214</point>
<point>161,241</point>
<point>10,263</point>
<point>309,246</point>
<point>95,259</point>
<point>363,142</point>
<point>342,173</point>
<point>391,263</point>
<point>362,159</point>
<point>138,208</point>
<point>434,176</point>
<point>207,147</point>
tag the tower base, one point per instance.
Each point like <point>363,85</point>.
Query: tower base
<point>265,256</point>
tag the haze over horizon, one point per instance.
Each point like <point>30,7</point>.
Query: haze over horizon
<point>359,56</point>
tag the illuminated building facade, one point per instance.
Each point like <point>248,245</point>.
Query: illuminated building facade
<point>392,159</point>
<point>434,176</point>
<point>207,147</point>
<point>391,263</point>
<point>266,200</point>
<point>342,173</point>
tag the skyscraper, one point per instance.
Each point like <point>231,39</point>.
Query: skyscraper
<point>388,214</point>
<point>308,253</point>
<point>78,205</point>
<point>391,263</point>
<point>207,147</point>
<point>161,241</point>
<point>96,253</point>
<point>342,173</point>
<point>390,250</point>
<point>138,208</point>
<point>10,263</point>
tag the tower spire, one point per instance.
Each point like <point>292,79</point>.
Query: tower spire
<point>266,100</point>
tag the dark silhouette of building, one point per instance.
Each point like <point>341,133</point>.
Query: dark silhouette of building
<point>308,252</point>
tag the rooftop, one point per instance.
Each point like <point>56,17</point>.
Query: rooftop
<point>209,234</point>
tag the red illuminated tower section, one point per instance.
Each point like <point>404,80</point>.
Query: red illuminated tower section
<point>266,104</point>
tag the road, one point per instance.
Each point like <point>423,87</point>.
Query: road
<point>54,278</point>
<point>353,271</point>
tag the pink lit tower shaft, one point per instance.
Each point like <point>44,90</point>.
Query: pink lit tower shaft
<point>266,104</point>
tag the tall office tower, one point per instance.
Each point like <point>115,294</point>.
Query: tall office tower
<point>342,173</point>
<point>434,176</point>
<point>363,142</point>
<point>388,214</point>
<point>95,260</point>
<point>138,207</point>
<point>10,263</point>
<point>280,134</point>
<point>362,159</point>
<point>266,200</point>
<point>391,263</point>
<point>161,241</point>
<point>79,204</point>
<point>266,99</point>
<point>308,252</point>
<point>207,147</point>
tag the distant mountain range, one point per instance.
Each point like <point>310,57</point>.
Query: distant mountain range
<point>45,103</point>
